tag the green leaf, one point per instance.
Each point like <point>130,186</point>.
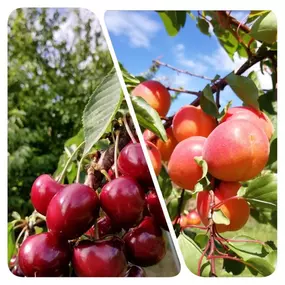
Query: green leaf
<point>253,76</point>
<point>148,117</point>
<point>11,240</point>
<point>271,257</point>
<point>261,265</point>
<point>267,102</point>
<point>201,240</point>
<point>208,103</point>
<point>265,28</point>
<point>38,230</point>
<point>203,164</point>
<point>233,266</point>
<point>173,21</point>
<point>220,218</point>
<point>246,249</point>
<point>244,88</point>
<point>254,14</point>
<point>172,207</point>
<point>273,154</point>
<point>203,26</point>
<point>100,109</point>
<point>261,191</point>
<point>164,183</point>
<point>192,254</point>
<point>225,110</point>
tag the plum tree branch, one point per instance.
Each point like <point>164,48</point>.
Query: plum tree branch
<point>158,62</point>
<point>181,90</point>
<point>222,83</point>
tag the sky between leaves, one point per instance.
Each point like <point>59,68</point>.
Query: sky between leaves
<point>139,37</point>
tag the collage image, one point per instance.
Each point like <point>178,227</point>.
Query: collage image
<point>167,162</point>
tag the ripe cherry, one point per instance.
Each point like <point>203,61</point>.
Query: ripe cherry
<point>44,255</point>
<point>123,200</point>
<point>135,271</point>
<point>101,258</point>
<point>145,245</point>
<point>73,211</point>
<point>155,209</point>
<point>43,190</point>
<point>105,227</point>
<point>131,162</point>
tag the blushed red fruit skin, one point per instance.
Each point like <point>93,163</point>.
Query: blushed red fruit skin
<point>182,168</point>
<point>192,218</point>
<point>72,211</point>
<point>44,255</point>
<point>123,200</point>
<point>135,271</point>
<point>236,150</point>
<point>105,227</point>
<point>131,162</point>
<point>236,210</point>
<point>155,94</point>
<point>43,190</point>
<point>145,245</point>
<point>252,115</point>
<point>101,258</point>
<point>166,148</point>
<point>155,209</point>
<point>192,121</point>
<point>155,157</point>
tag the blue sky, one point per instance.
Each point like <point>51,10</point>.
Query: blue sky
<point>138,37</point>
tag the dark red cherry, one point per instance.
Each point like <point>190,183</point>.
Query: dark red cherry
<point>123,200</point>
<point>43,190</point>
<point>44,255</point>
<point>16,270</point>
<point>73,211</point>
<point>100,258</point>
<point>13,261</point>
<point>105,227</point>
<point>145,245</point>
<point>155,209</point>
<point>131,162</point>
<point>135,271</point>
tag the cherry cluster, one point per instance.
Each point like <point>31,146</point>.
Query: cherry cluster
<point>113,232</point>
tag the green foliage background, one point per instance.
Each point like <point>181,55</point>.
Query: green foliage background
<point>55,60</point>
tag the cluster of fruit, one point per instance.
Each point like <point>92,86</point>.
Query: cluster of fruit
<point>235,149</point>
<point>111,234</point>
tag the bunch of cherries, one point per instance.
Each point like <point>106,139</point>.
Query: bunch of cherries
<point>111,234</point>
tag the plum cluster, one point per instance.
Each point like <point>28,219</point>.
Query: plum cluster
<point>111,234</point>
<point>235,149</point>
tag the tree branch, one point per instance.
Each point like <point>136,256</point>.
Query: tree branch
<point>158,62</point>
<point>222,83</point>
<point>181,90</point>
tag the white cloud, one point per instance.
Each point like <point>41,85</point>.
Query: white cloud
<point>221,62</point>
<point>181,58</point>
<point>137,27</point>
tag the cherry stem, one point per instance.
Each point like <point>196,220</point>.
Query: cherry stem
<point>79,169</point>
<point>20,235</point>
<point>116,152</point>
<point>96,230</point>
<point>128,129</point>
<point>105,173</point>
<point>68,162</point>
